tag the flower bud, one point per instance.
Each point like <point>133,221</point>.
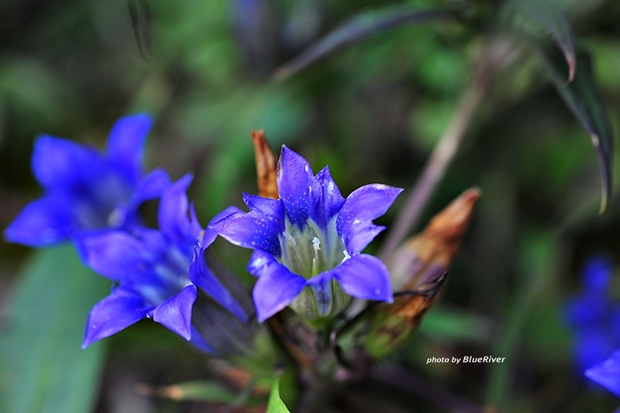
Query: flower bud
<point>418,269</point>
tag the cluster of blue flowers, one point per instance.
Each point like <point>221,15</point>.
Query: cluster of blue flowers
<point>307,244</point>
<point>594,318</point>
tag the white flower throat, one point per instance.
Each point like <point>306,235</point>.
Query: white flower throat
<point>311,250</point>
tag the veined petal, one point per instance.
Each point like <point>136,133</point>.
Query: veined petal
<point>360,208</point>
<point>173,213</point>
<point>176,312</point>
<point>126,142</point>
<point>607,373</point>
<point>115,254</point>
<point>294,179</point>
<point>114,313</point>
<point>326,198</point>
<point>203,277</point>
<point>42,222</point>
<point>60,164</point>
<point>250,230</point>
<point>276,286</point>
<point>366,277</point>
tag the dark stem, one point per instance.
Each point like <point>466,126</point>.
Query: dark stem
<point>497,54</point>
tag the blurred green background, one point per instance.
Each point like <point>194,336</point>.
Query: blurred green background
<point>372,111</point>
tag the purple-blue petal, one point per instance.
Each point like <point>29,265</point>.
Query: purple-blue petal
<point>607,373</point>
<point>592,346</point>
<point>267,206</point>
<point>203,277</point>
<point>62,165</point>
<point>173,213</point>
<point>209,235</point>
<point>360,208</point>
<point>197,340</point>
<point>251,230</point>
<point>114,313</point>
<point>294,179</point>
<point>326,198</point>
<point>597,274</point>
<point>126,142</point>
<point>276,287</point>
<point>176,312</point>
<point>43,222</point>
<point>115,254</point>
<point>366,277</point>
<point>150,187</point>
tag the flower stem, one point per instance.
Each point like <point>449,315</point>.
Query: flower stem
<point>493,56</point>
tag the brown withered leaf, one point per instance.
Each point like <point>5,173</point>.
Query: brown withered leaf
<point>265,166</point>
<point>418,272</point>
<point>429,254</point>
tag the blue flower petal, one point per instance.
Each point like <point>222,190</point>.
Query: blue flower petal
<point>62,165</point>
<point>326,198</point>
<point>43,222</point>
<point>294,179</point>
<point>176,312</point>
<point>126,142</point>
<point>203,277</point>
<point>114,313</point>
<point>597,274</point>
<point>607,373</point>
<point>251,230</point>
<point>173,218</point>
<point>592,346</point>
<point>116,255</point>
<point>197,340</point>
<point>276,287</point>
<point>354,222</point>
<point>267,206</point>
<point>209,235</point>
<point>149,188</point>
<point>366,277</point>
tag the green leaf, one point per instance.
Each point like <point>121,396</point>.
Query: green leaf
<point>42,366</point>
<point>276,405</point>
<point>582,99</point>
<point>530,16</point>
<point>360,27</point>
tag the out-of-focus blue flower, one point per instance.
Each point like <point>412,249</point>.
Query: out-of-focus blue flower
<point>160,274</point>
<point>85,189</point>
<point>607,373</point>
<point>594,317</point>
<point>308,243</point>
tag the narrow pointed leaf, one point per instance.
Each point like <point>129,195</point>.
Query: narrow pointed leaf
<point>140,13</point>
<point>360,27</point>
<point>582,99</point>
<point>532,15</point>
<point>42,365</point>
<point>276,405</point>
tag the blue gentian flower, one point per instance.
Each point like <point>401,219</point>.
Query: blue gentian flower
<point>85,189</point>
<point>607,373</point>
<point>159,275</point>
<point>594,317</point>
<point>308,243</point>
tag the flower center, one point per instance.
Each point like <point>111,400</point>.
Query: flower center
<point>311,250</point>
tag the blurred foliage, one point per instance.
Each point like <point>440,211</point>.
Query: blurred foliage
<point>372,111</point>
